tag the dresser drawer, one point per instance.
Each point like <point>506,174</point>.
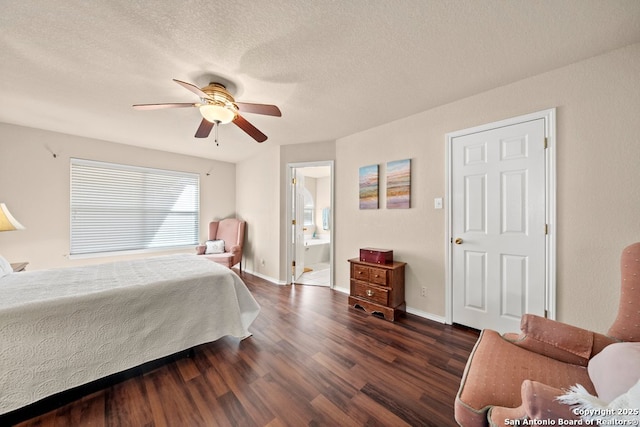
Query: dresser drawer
<point>370,274</point>
<point>368,292</point>
<point>378,276</point>
<point>360,272</point>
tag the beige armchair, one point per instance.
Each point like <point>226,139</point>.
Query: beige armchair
<point>231,231</point>
<point>519,376</point>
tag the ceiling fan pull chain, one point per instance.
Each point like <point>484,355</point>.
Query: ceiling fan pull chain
<point>216,125</point>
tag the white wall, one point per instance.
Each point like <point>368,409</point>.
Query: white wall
<point>35,187</point>
<point>258,203</point>
<point>261,200</point>
<point>598,191</point>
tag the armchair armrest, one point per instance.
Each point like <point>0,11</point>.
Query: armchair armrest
<point>557,340</point>
<point>200,249</point>
<point>234,249</point>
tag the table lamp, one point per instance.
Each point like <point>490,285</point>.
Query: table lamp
<point>7,221</point>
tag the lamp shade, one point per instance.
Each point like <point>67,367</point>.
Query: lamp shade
<point>7,221</point>
<point>217,113</point>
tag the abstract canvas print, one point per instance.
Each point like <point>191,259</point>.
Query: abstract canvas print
<point>369,187</point>
<point>399,184</point>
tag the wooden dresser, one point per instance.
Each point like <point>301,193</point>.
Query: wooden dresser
<point>378,289</point>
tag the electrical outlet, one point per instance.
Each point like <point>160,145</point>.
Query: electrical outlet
<point>423,292</point>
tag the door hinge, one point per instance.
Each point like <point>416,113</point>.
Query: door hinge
<point>293,263</point>
<point>546,314</point>
<point>546,229</point>
<point>293,222</point>
<point>293,181</point>
<point>546,142</point>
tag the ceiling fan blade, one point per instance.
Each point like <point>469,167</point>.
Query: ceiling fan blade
<point>250,129</point>
<point>193,88</point>
<point>266,109</point>
<point>204,129</point>
<point>162,106</point>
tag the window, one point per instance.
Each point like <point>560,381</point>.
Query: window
<point>308,207</point>
<point>117,208</point>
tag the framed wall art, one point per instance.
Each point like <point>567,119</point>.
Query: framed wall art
<point>399,184</point>
<point>368,177</point>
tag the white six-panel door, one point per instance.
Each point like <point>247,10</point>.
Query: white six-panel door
<point>498,225</point>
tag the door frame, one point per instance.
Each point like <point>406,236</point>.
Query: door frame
<point>549,117</point>
<point>289,207</point>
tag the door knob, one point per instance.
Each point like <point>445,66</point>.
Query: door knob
<point>458,241</point>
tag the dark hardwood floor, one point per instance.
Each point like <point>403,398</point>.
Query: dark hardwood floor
<point>311,361</point>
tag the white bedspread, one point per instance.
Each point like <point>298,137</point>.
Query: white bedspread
<point>62,328</point>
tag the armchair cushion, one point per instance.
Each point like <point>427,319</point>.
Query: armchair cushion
<point>225,258</point>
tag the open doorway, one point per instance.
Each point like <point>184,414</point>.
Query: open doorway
<point>310,203</point>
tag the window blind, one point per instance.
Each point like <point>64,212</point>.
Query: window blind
<point>116,208</point>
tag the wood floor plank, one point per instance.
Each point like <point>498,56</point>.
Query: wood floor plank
<point>188,369</point>
<point>282,402</point>
<point>337,416</point>
<point>368,412</point>
<point>121,405</point>
<point>206,402</point>
<point>312,361</point>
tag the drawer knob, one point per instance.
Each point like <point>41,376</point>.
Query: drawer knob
<point>369,293</point>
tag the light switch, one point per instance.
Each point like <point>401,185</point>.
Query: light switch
<point>437,203</point>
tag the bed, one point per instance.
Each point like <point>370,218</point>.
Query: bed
<point>61,328</point>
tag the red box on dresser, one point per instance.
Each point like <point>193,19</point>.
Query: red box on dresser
<point>376,256</point>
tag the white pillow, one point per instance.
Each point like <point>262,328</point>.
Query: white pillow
<point>214,247</point>
<point>5,267</point>
<point>615,369</point>
<point>621,411</point>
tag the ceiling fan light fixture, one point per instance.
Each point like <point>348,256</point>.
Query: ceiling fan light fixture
<point>217,106</point>
<point>217,113</point>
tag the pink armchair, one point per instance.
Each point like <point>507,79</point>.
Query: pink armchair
<point>231,230</point>
<point>519,376</point>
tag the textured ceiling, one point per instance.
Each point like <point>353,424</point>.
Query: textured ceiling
<point>333,67</point>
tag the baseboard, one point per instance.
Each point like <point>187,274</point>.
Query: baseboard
<point>416,312</point>
<point>424,314</point>
<point>342,290</point>
<point>267,278</point>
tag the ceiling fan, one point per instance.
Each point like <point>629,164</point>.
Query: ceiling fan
<point>218,107</point>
